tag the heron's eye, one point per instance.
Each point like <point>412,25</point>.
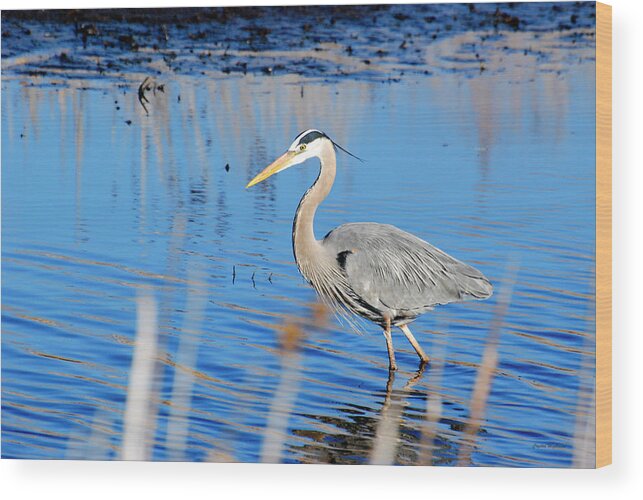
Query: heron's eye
<point>302,147</point>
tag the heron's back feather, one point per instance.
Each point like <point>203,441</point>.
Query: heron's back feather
<point>398,273</point>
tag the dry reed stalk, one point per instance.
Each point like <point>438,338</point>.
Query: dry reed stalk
<point>97,443</point>
<point>487,367</point>
<point>584,441</point>
<point>140,414</point>
<point>433,412</point>
<point>585,434</point>
<point>186,356</point>
<point>286,393</point>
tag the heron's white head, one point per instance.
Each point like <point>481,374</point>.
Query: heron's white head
<point>308,144</point>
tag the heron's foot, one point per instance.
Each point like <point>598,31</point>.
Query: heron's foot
<point>415,378</point>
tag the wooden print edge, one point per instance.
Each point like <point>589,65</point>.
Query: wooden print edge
<point>603,405</point>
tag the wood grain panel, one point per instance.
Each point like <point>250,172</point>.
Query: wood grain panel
<point>603,234</point>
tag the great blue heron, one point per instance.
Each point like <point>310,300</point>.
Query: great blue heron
<point>373,270</point>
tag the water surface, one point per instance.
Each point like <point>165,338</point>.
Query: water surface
<point>103,203</point>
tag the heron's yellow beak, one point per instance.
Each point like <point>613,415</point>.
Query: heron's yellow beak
<point>276,166</point>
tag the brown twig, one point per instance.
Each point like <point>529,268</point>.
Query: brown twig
<point>487,368</point>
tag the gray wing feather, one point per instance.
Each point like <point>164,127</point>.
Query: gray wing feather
<point>389,267</point>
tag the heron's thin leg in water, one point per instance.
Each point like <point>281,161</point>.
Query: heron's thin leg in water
<point>418,348</point>
<point>389,345</point>
<point>389,386</point>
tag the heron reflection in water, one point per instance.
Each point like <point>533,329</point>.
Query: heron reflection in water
<point>376,271</point>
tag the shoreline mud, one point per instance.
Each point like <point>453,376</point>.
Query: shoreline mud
<point>372,42</point>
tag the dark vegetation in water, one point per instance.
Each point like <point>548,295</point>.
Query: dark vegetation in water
<point>317,41</point>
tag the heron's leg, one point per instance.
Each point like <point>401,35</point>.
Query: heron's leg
<point>418,348</point>
<point>389,345</point>
<point>389,386</point>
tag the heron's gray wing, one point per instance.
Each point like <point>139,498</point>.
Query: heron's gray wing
<point>390,268</point>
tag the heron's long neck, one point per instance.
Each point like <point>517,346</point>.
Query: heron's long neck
<point>305,246</point>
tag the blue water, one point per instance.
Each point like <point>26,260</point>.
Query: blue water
<point>492,167</point>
